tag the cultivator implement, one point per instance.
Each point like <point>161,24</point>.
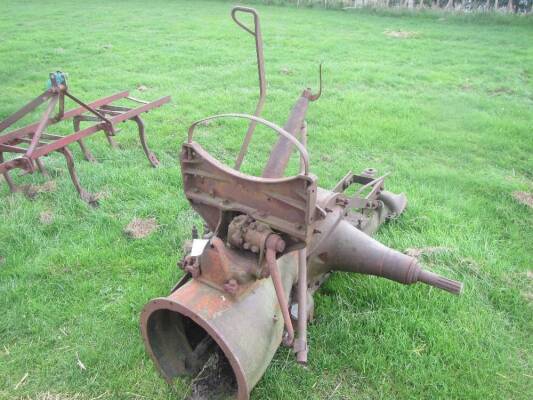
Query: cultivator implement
<point>269,244</point>
<point>30,143</point>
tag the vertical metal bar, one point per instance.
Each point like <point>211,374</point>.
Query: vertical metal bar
<point>256,33</point>
<point>301,351</point>
<point>61,111</point>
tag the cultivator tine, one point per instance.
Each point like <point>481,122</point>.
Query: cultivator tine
<point>42,168</point>
<point>84,195</point>
<point>84,149</point>
<point>151,156</point>
<point>12,187</point>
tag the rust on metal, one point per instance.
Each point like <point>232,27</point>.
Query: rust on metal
<point>32,142</point>
<point>256,33</point>
<point>269,243</point>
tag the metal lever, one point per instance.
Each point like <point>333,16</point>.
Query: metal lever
<point>256,33</point>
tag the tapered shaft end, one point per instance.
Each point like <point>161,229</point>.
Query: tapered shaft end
<point>441,282</point>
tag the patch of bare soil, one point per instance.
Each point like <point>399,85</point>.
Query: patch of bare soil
<point>215,381</point>
<point>417,252</point>
<point>46,217</point>
<point>58,396</point>
<point>33,190</point>
<point>140,228</point>
<point>467,87</point>
<point>286,71</point>
<point>400,34</point>
<point>142,88</point>
<point>500,90</point>
<point>524,198</point>
<point>527,294</point>
<point>2,260</point>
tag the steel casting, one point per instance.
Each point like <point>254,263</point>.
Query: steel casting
<point>270,242</point>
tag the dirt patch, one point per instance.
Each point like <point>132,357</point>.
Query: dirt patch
<point>524,198</point>
<point>58,396</point>
<point>400,34</point>
<point>417,252</point>
<point>2,260</point>
<point>107,46</point>
<point>215,381</point>
<point>33,190</point>
<point>527,293</point>
<point>466,87</point>
<point>500,90</point>
<point>140,228</point>
<point>142,88</point>
<point>285,71</point>
<point>46,217</point>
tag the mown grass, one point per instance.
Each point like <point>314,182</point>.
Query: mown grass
<point>448,110</point>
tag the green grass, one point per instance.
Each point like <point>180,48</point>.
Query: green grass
<point>448,111</point>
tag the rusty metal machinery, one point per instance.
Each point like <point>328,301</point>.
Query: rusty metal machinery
<point>31,143</point>
<point>270,242</point>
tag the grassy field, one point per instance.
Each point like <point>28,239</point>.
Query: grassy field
<point>446,106</point>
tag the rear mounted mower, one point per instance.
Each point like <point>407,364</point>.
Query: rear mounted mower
<point>270,243</point>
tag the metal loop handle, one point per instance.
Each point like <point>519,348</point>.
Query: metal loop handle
<point>256,33</point>
<point>249,11</point>
<point>280,131</point>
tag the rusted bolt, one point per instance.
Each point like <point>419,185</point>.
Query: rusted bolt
<point>191,265</point>
<point>231,286</point>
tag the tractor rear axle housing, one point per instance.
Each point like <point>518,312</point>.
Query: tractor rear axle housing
<point>270,243</point>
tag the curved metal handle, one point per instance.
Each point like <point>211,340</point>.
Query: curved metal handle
<point>280,131</point>
<point>248,10</point>
<point>256,33</point>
